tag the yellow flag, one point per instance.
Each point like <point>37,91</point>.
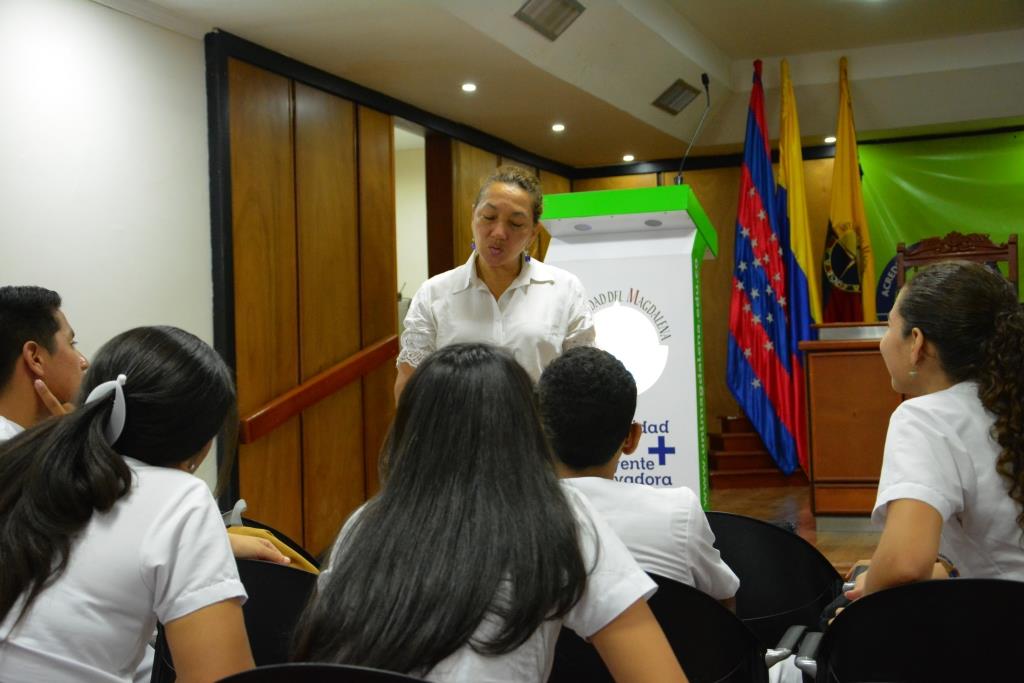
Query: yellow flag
<point>791,178</point>
<point>846,212</point>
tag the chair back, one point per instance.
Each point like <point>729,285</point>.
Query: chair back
<point>973,247</point>
<point>277,596</point>
<point>711,643</point>
<point>784,580</point>
<point>318,673</point>
<point>935,631</point>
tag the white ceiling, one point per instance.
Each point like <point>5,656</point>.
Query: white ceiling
<point>935,63</point>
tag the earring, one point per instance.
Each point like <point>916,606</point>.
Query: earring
<point>913,372</point>
<point>526,256</point>
<point>472,245</point>
<point>191,467</point>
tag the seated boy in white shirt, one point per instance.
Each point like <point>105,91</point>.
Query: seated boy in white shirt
<point>587,402</point>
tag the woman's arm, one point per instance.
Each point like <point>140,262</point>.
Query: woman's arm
<point>635,650</point>
<point>210,643</point>
<point>404,373</point>
<point>908,547</point>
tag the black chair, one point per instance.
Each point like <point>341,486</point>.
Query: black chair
<point>711,643</point>
<point>784,580</point>
<point>934,631</point>
<point>277,595</point>
<point>284,539</point>
<point>318,673</point>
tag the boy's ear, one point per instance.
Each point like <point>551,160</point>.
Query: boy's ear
<point>632,439</point>
<point>31,355</point>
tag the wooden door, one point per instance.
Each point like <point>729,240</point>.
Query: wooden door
<point>313,249</point>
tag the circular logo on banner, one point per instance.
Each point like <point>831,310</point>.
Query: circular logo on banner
<point>631,336</point>
<point>841,266</point>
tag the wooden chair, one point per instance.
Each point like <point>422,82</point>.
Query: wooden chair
<point>974,247</point>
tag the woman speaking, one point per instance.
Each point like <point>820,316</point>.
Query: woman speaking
<point>500,295</point>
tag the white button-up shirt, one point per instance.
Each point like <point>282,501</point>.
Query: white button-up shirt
<point>543,312</point>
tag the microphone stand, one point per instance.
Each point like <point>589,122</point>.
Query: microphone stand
<point>707,107</point>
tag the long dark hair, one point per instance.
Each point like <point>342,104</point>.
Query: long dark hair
<point>471,520</point>
<point>54,476</point>
<point>971,315</point>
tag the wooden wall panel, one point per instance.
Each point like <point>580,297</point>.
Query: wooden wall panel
<point>440,206</point>
<point>470,165</point>
<point>379,266</point>
<point>621,182</point>
<point>550,183</point>
<point>266,326</point>
<point>329,308</point>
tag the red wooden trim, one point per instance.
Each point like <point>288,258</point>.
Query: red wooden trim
<point>286,406</point>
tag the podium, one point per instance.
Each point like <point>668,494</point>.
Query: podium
<point>638,253</point>
<point>849,401</point>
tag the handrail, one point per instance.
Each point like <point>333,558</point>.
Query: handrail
<point>315,389</point>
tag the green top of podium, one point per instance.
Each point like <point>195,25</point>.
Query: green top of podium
<point>656,208</point>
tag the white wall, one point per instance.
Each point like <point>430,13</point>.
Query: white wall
<point>411,218</point>
<point>104,191</point>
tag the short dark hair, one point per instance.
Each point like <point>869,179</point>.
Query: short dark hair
<point>587,402</point>
<point>516,176</point>
<point>26,314</point>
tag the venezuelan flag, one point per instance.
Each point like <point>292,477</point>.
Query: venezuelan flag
<point>801,280</point>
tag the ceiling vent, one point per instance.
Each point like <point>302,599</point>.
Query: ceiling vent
<point>676,97</point>
<point>550,18</point>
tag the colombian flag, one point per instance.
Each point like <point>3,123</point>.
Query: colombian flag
<point>849,267</point>
<point>804,291</point>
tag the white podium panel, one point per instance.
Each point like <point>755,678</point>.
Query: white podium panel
<point>639,261</point>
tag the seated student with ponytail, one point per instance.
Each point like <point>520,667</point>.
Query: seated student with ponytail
<point>467,563</point>
<point>953,468</point>
<point>104,530</point>
<point>41,370</point>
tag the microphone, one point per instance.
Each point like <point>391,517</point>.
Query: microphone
<point>705,81</point>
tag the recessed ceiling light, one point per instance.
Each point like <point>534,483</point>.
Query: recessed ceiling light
<point>469,87</point>
<point>558,127</point>
<point>830,139</point>
<point>628,157</point>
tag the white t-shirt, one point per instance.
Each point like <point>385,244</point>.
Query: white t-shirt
<point>938,450</point>
<point>615,583</point>
<point>543,312</point>
<point>665,529</point>
<point>159,553</point>
<point>9,428</point>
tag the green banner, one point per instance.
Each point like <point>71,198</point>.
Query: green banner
<point>927,188</point>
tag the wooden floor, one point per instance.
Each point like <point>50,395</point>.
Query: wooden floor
<point>793,504</point>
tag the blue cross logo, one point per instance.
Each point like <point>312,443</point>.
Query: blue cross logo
<point>661,450</point>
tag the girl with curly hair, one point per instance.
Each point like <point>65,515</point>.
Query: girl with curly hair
<point>953,470</point>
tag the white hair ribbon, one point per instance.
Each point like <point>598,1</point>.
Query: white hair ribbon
<point>112,431</point>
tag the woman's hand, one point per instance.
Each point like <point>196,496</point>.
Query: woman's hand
<point>252,548</point>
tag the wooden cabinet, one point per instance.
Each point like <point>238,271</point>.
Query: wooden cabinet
<point>849,401</point>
